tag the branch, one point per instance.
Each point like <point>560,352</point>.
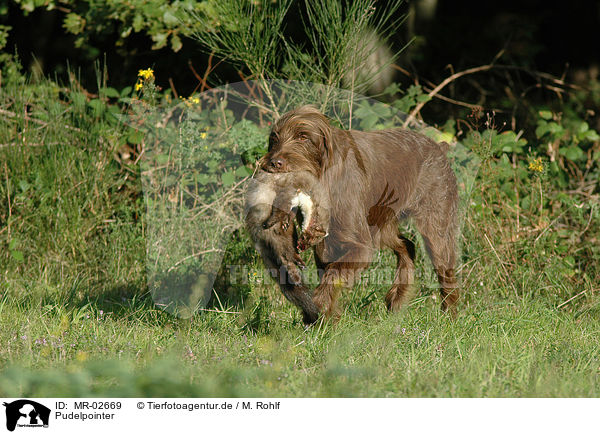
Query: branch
<point>443,84</point>
<point>434,93</point>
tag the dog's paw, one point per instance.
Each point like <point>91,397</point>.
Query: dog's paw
<point>309,318</point>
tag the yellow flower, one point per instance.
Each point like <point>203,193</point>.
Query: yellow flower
<point>203,135</point>
<point>536,165</point>
<point>146,74</point>
<point>138,85</point>
<point>191,100</point>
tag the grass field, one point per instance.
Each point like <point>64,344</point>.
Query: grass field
<point>502,349</point>
<point>76,318</point>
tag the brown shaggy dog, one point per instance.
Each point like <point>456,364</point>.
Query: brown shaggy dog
<point>372,179</point>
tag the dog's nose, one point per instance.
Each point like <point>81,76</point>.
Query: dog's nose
<point>277,163</point>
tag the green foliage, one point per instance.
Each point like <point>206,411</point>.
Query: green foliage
<point>571,135</point>
<point>413,95</point>
<point>4,35</point>
<point>248,32</point>
<point>244,32</point>
<point>524,206</point>
<point>162,21</point>
<point>63,128</point>
<point>74,303</point>
<point>340,46</point>
<point>251,34</point>
<point>249,141</point>
<point>373,115</point>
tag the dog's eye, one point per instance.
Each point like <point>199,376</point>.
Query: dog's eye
<point>303,137</point>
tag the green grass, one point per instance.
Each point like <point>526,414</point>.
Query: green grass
<point>494,348</point>
<point>74,304</point>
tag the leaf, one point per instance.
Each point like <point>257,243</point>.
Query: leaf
<point>362,111</point>
<point>126,32</point>
<point>423,98</point>
<point>243,171</point>
<point>545,114</point>
<point>17,255</point>
<point>582,128</point>
<point>135,137</point>
<point>4,30</point>
<point>555,129</point>
<point>170,19</point>
<point>446,137</point>
<point>392,89</point>
<point>138,22</point>
<point>176,43</point>
<point>592,135</point>
<point>160,40</point>
<point>369,121</point>
<point>212,164</point>
<point>541,129</point>
<point>97,106</point>
<point>505,161</point>
<point>203,178</point>
<point>228,178</point>
<point>414,90</point>
<point>73,23</point>
<point>109,92</point>
<point>382,110</point>
<point>507,137</point>
<point>572,153</point>
<point>115,111</point>
<point>126,91</point>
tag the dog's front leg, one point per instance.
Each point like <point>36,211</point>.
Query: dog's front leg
<point>342,273</point>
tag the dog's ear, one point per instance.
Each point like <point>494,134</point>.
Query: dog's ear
<point>323,137</point>
<point>325,143</point>
<point>272,140</point>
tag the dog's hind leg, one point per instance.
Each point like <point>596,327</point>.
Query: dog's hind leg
<point>402,286</point>
<point>440,245</point>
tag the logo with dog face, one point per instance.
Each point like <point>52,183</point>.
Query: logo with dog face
<point>26,413</point>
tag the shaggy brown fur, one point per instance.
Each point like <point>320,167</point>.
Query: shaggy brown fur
<point>271,201</point>
<point>372,180</point>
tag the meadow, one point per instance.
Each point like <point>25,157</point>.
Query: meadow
<point>77,317</point>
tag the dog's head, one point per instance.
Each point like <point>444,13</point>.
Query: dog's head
<point>299,140</point>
